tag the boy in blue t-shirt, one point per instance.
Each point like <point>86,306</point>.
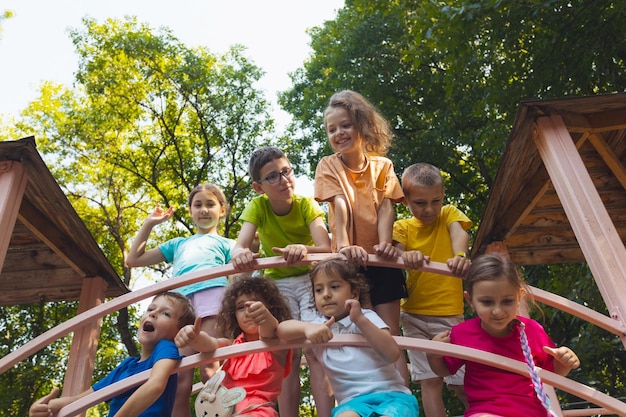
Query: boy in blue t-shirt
<point>165,316</point>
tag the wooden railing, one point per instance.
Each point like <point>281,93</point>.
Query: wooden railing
<point>608,404</point>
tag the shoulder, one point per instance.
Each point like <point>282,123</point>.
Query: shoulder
<point>372,316</point>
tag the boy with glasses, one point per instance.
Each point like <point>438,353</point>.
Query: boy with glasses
<point>291,226</point>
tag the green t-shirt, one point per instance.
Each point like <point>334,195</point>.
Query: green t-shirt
<point>280,231</point>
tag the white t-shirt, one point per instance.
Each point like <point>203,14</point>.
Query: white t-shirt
<point>357,370</point>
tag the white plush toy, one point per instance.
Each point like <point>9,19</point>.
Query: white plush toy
<point>214,400</point>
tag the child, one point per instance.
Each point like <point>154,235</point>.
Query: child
<point>360,186</point>
<point>290,225</point>
<point>166,315</point>
<point>435,302</point>
<point>205,249</point>
<point>494,290</point>
<point>364,379</point>
<point>251,310</point>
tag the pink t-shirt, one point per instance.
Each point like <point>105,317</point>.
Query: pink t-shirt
<point>493,390</point>
<point>364,190</point>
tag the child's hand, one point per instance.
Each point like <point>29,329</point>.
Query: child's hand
<point>40,408</point>
<point>188,333</point>
<point>564,355</point>
<point>258,312</point>
<point>319,333</point>
<point>244,260</point>
<point>459,265</point>
<point>355,254</point>
<point>386,250</point>
<point>159,215</point>
<point>414,259</point>
<point>442,337</point>
<point>292,253</point>
<point>354,307</point>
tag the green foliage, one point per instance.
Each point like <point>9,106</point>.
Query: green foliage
<point>449,75</point>
<point>146,121</point>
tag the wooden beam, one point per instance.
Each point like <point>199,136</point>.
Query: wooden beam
<point>13,179</point>
<point>82,356</point>
<point>608,156</point>
<point>598,238</point>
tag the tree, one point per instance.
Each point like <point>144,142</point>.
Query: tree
<point>147,120</point>
<point>449,75</point>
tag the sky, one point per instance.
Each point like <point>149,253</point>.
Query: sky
<point>35,45</point>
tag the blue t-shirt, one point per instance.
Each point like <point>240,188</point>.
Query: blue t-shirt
<point>162,407</point>
<point>197,252</point>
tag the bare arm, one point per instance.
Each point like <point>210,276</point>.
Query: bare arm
<point>200,341</point>
<point>313,332</point>
<point>436,362</point>
<point>379,339</point>
<point>342,217</point>
<point>242,257</point>
<point>137,254</point>
<point>460,243</point>
<point>150,391</point>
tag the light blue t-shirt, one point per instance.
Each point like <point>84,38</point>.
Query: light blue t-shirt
<point>162,407</point>
<point>197,252</point>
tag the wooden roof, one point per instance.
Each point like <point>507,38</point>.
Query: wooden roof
<point>51,251</point>
<point>524,210</point>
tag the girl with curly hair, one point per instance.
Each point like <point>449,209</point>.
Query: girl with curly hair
<point>251,310</point>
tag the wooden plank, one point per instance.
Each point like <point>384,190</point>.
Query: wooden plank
<point>603,248</point>
<point>82,355</point>
<point>13,179</point>
<point>610,158</point>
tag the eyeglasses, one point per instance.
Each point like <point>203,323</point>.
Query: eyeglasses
<point>275,177</point>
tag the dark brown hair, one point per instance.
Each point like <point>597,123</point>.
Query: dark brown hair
<point>338,266</point>
<point>264,290</point>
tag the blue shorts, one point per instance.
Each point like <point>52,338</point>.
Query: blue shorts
<point>392,404</point>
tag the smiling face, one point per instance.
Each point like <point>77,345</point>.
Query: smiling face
<point>160,321</point>
<point>245,322</point>
<point>496,303</point>
<point>425,202</point>
<point>282,191</point>
<point>206,211</point>
<point>342,133</point>
<point>331,293</point>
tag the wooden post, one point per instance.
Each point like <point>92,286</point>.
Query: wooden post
<point>598,238</point>
<point>13,181</point>
<point>82,357</point>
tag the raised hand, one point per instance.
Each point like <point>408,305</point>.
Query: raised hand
<point>564,355</point>
<point>40,407</point>
<point>187,334</point>
<point>319,333</point>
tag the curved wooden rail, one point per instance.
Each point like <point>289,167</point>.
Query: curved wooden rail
<point>611,404</point>
<point>125,300</point>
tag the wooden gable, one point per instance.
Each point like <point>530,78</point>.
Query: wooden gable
<point>50,251</point>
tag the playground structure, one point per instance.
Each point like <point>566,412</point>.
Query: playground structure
<point>559,196</point>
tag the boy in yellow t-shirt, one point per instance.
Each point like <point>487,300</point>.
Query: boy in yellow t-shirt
<point>435,302</point>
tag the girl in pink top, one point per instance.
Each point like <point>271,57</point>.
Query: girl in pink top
<point>494,290</point>
<point>360,186</point>
<point>251,310</point>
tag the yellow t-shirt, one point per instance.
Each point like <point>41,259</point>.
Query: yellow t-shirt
<point>429,293</point>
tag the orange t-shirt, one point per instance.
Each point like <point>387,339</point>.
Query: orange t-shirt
<point>364,191</point>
